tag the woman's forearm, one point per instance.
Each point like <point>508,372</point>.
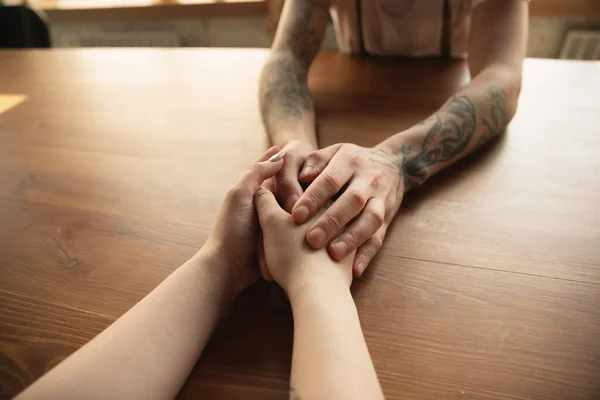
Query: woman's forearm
<point>467,121</point>
<point>149,351</point>
<point>330,358</point>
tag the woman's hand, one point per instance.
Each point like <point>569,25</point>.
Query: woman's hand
<point>290,261</point>
<point>370,184</point>
<point>285,184</point>
<point>235,233</point>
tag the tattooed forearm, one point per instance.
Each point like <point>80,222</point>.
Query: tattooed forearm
<point>284,92</point>
<point>457,128</point>
<point>453,129</point>
<point>498,116</point>
<point>305,33</point>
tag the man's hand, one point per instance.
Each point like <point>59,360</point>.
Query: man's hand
<point>373,186</point>
<point>285,184</point>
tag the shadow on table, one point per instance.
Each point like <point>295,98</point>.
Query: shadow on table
<point>437,187</point>
<point>249,356</point>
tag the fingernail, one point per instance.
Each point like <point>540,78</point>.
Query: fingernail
<point>316,237</point>
<point>277,157</point>
<point>360,267</point>
<point>339,248</point>
<point>301,214</point>
<point>291,201</point>
<point>306,170</point>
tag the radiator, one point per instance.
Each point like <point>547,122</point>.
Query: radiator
<point>581,45</point>
<point>116,39</point>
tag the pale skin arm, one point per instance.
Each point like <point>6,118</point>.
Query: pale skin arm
<point>149,352</point>
<point>285,101</point>
<point>330,357</point>
<point>377,178</point>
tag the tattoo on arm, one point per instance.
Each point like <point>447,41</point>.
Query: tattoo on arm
<point>498,115</point>
<point>284,88</point>
<point>285,93</point>
<point>382,157</point>
<point>453,129</point>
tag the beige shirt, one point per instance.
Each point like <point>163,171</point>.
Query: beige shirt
<point>401,27</point>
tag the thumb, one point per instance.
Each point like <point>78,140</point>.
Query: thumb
<point>258,172</point>
<point>262,260</point>
<point>316,162</point>
<point>267,207</point>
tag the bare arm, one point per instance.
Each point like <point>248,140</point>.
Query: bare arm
<point>285,100</point>
<point>149,351</point>
<point>330,358</point>
<point>481,110</point>
<point>375,179</point>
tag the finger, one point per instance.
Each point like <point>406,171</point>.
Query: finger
<point>367,251</point>
<point>316,162</point>
<point>271,152</point>
<point>286,182</point>
<point>269,184</point>
<point>258,172</point>
<point>262,261</point>
<point>359,231</point>
<point>267,208</point>
<point>327,184</point>
<point>347,206</point>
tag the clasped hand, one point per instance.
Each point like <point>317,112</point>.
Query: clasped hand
<point>367,185</point>
<point>290,261</point>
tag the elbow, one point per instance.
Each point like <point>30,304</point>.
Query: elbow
<point>509,79</point>
<point>280,67</point>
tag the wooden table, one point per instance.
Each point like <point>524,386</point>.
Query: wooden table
<point>111,170</point>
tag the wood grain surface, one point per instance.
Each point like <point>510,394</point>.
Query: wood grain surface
<point>111,170</point>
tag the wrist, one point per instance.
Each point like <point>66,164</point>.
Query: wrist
<point>310,290</point>
<point>404,147</point>
<point>402,144</point>
<point>304,144</point>
<point>211,261</point>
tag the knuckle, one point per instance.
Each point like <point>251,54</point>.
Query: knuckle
<point>377,216</point>
<point>255,169</point>
<point>357,199</point>
<point>353,238</point>
<point>313,201</point>
<point>376,243</point>
<point>315,157</point>
<point>237,194</point>
<point>287,183</point>
<point>332,182</point>
<point>332,221</point>
<point>354,160</point>
<point>292,158</point>
<point>375,180</point>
